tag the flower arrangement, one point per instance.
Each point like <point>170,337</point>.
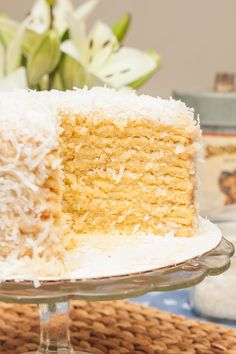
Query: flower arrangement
<point>51,49</point>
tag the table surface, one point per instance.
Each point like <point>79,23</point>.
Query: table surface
<point>174,302</point>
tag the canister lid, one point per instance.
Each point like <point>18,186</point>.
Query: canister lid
<point>214,108</point>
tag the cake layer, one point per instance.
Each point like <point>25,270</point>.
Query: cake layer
<point>127,179</point>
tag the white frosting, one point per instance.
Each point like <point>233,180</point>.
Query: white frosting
<point>109,255</point>
<point>123,106</point>
<point>36,107</point>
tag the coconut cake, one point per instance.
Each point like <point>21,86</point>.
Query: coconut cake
<point>96,161</point>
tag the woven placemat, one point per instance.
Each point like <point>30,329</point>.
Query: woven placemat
<point>117,327</point>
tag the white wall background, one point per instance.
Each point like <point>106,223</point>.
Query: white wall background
<point>195,38</point>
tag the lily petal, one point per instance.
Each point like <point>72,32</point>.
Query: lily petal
<point>2,60</point>
<point>126,66</point>
<point>100,45</point>
<point>78,36</point>
<point>16,80</point>
<point>8,29</point>
<point>68,47</point>
<point>13,56</point>
<point>62,12</point>
<point>141,81</point>
<point>76,24</point>
<point>83,11</point>
<point>40,17</point>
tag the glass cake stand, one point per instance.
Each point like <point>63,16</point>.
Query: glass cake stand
<point>53,296</point>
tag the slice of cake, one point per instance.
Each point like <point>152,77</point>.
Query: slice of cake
<point>92,162</point>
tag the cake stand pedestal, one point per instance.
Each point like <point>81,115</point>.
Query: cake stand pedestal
<point>53,296</point>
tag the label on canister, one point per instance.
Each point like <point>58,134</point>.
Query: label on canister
<point>218,176</point>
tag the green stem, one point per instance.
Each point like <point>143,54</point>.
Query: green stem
<point>50,81</point>
<point>51,76</point>
<point>51,17</point>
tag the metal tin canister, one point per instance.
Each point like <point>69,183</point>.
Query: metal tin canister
<point>215,297</point>
<point>217,112</point>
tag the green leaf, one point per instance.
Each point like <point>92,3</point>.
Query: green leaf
<point>72,73</point>
<point>44,57</point>
<point>121,27</point>
<point>65,36</point>
<point>142,80</point>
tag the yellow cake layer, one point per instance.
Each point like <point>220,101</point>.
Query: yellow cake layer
<point>127,179</point>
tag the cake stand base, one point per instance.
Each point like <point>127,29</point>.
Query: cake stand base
<point>54,329</point>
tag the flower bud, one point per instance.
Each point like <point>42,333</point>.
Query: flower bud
<point>29,39</point>
<point>44,57</point>
<point>51,2</point>
<point>72,73</point>
<point>121,27</point>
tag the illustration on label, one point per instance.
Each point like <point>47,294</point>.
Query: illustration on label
<point>227,183</point>
<point>218,173</point>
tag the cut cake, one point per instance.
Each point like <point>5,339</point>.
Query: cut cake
<point>93,161</point>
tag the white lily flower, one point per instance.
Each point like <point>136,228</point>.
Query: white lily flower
<point>92,59</point>
<point>40,17</point>
<point>99,53</point>
<point>63,9</point>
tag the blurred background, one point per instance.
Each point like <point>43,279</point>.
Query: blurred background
<point>195,39</point>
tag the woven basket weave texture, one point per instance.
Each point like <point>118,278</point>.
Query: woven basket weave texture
<point>117,327</point>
